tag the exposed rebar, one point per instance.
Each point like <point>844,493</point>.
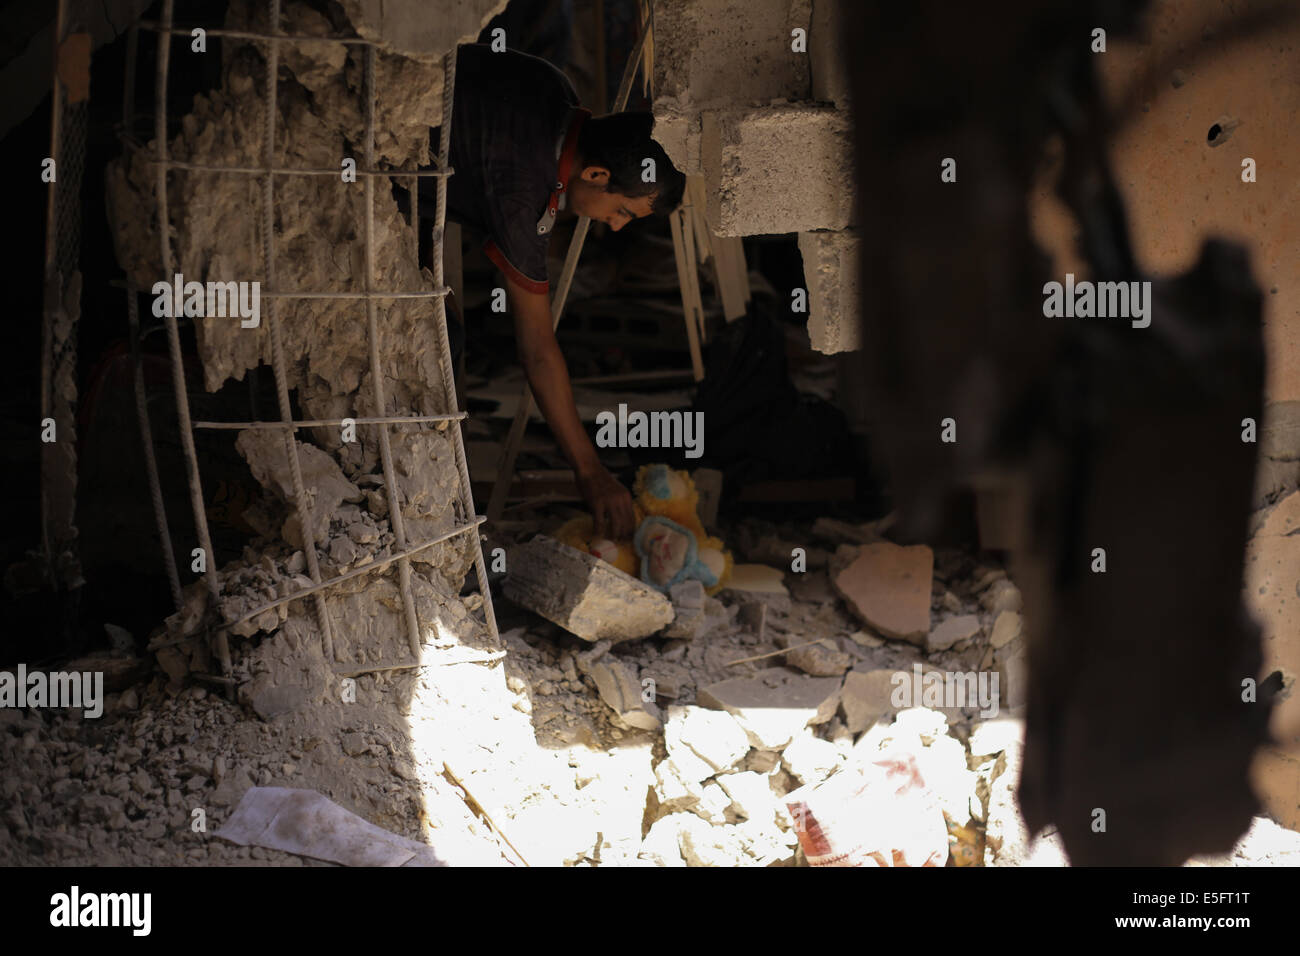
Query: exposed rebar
<point>174,341</point>
<point>301,504</point>
<point>444,345</point>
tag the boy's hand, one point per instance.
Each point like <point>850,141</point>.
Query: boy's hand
<point>609,501</point>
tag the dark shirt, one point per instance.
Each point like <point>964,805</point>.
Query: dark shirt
<point>510,111</point>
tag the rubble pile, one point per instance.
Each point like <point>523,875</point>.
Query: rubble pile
<point>687,748</point>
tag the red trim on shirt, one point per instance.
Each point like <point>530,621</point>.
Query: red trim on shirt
<point>515,276</point>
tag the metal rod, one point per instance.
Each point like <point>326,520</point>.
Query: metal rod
<point>158,27</point>
<point>146,442</point>
<point>355,572</point>
<point>444,344</point>
<point>437,293</point>
<point>301,504</point>
<point>136,145</point>
<point>263,293</point>
<point>174,338</point>
<point>376,372</point>
<point>321,422</point>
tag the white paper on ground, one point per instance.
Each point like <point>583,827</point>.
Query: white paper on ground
<point>309,824</point>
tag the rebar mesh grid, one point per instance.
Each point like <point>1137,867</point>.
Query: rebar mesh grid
<point>469,523</point>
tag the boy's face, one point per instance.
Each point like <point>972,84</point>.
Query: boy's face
<point>588,197</point>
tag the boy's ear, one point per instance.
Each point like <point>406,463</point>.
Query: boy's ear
<point>596,175</point>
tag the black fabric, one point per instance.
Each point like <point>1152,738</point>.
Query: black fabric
<point>510,110</point>
<point>757,425</point>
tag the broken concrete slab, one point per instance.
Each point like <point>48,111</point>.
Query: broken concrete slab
<point>758,582</point>
<point>582,594</point>
<point>866,698</point>
<point>821,659</point>
<point>774,704</point>
<point>704,742</point>
<point>809,758</point>
<point>751,795</point>
<point>997,735</point>
<point>659,848</point>
<point>952,631</point>
<point>620,688</point>
<point>888,587</point>
<point>267,455</point>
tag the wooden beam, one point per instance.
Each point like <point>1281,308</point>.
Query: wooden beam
<point>675,221</point>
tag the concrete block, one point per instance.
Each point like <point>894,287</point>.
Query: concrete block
<point>583,594</point>
<point>777,169</point>
<point>678,132</point>
<point>726,52</point>
<point>830,269</point>
<point>830,74</point>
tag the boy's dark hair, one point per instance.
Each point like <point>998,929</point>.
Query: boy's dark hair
<point>621,142</point>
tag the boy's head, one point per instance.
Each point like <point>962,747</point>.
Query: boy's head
<point>610,184</point>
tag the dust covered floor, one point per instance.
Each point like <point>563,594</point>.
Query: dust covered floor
<point>533,743</point>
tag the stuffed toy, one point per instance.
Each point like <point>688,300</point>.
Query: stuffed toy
<point>670,544</point>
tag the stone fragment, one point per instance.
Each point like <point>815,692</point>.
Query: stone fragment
<point>620,689</point>
<point>1001,596</point>
<point>774,704</point>
<point>758,582</point>
<point>817,660</point>
<point>267,456</point>
<point>809,758</point>
<point>888,587</point>
<point>703,741</point>
<point>1006,629</point>
<point>659,848</point>
<point>582,594</point>
<point>751,795</point>
<point>866,698</point>
<point>952,631</point>
<point>997,735</point>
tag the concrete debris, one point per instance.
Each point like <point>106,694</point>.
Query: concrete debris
<point>1001,596</point>
<point>866,698</point>
<point>821,659</point>
<point>659,848</point>
<point>952,631</point>
<point>809,759</point>
<point>696,614</point>
<point>757,582</point>
<point>751,795</point>
<point>775,704</point>
<point>1006,628</point>
<point>703,742</point>
<point>582,594</point>
<point>620,688</point>
<point>888,587</point>
<point>995,736</point>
